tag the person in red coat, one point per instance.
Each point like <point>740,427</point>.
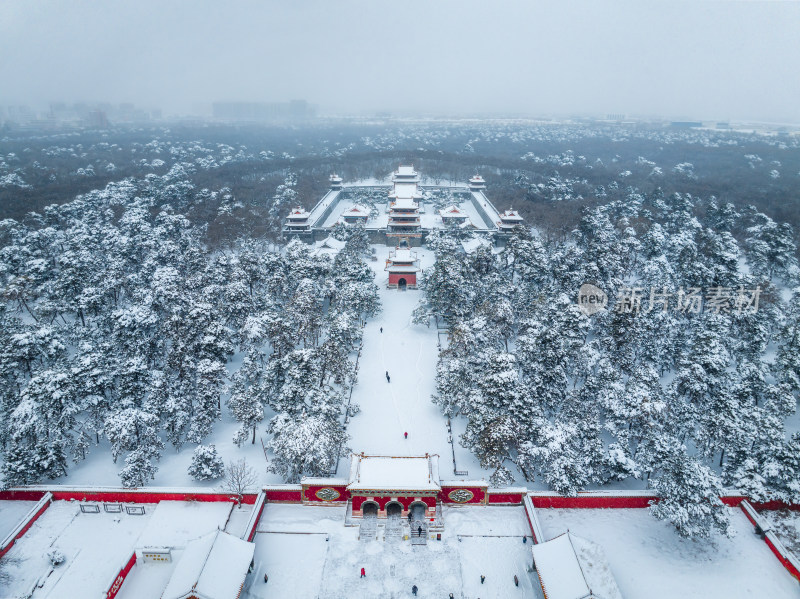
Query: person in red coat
<point>363,573</point>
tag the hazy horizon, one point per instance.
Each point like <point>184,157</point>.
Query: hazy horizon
<point>705,60</point>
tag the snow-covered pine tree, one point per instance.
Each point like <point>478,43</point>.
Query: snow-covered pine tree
<point>206,463</point>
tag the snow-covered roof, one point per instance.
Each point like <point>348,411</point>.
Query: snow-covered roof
<point>329,245</point>
<point>402,268</point>
<point>405,190</point>
<point>412,473</point>
<point>406,170</point>
<point>402,255</point>
<point>175,522</point>
<point>452,212</point>
<point>512,215</point>
<point>213,566</point>
<point>571,567</point>
<point>405,203</point>
<point>356,210</point>
<point>298,214</point>
<point>470,245</point>
<point>476,179</point>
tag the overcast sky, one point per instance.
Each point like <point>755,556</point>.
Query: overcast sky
<point>706,59</point>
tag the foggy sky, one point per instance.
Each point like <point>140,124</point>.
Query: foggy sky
<point>712,59</point>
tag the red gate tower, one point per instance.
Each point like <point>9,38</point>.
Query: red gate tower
<point>403,266</point>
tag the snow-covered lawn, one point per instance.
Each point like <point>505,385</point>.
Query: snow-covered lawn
<point>650,561</point>
<point>309,552</point>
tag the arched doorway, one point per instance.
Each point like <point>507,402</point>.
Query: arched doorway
<point>394,509</point>
<point>401,284</point>
<point>417,510</point>
<point>369,509</point>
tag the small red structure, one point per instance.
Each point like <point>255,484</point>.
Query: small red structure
<point>403,266</point>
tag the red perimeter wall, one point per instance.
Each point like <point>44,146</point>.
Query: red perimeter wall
<point>123,496</point>
<point>123,574</point>
<point>24,529</point>
<point>591,501</point>
<point>310,493</point>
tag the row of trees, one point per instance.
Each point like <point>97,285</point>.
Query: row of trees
<point>117,323</point>
<point>687,400</point>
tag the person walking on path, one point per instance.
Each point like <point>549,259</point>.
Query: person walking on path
<point>516,581</point>
<point>419,531</point>
<point>409,518</point>
<point>482,578</point>
<point>388,380</point>
<point>405,435</point>
<point>381,329</point>
<point>414,590</point>
<point>363,573</point>
<point>266,578</point>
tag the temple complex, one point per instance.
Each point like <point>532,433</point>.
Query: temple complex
<point>404,211</point>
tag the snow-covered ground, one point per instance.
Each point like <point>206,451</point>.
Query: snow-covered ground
<point>650,561</point>
<point>408,352</point>
<point>308,552</point>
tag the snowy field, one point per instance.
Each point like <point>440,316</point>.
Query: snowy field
<point>650,561</point>
<point>308,552</point>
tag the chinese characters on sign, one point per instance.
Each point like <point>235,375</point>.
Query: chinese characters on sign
<point>716,300</point>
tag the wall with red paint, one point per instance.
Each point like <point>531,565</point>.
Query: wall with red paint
<point>146,496</point>
<point>123,574</point>
<point>31,519</point>
<point>309,493</point>
<point>505,498</point>
<point>411,278</point>
<point>591,501</point>
<point>21,495</point>
<point>478,493</point>
<point>290,495</point>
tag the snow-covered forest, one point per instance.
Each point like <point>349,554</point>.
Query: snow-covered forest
<point>148,294</point>
<point>688,396</point>
<point>117,322</point>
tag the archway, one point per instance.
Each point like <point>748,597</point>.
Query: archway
<point>369,509</point>
<point>417,510</point>
<point>394,509</point>
<point>401,284</point>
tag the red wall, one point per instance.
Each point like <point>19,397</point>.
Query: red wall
<point>123,496</point>
<point>786,563</point>
<point>310,493</point>
<point>478,494</point>
<point>285,495</point>
<point>512,498</point>
<point>590,502</point>
<point>411,279</point>
<point>21,495</point>
<point>123,574</point>
<point>24,529</point>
